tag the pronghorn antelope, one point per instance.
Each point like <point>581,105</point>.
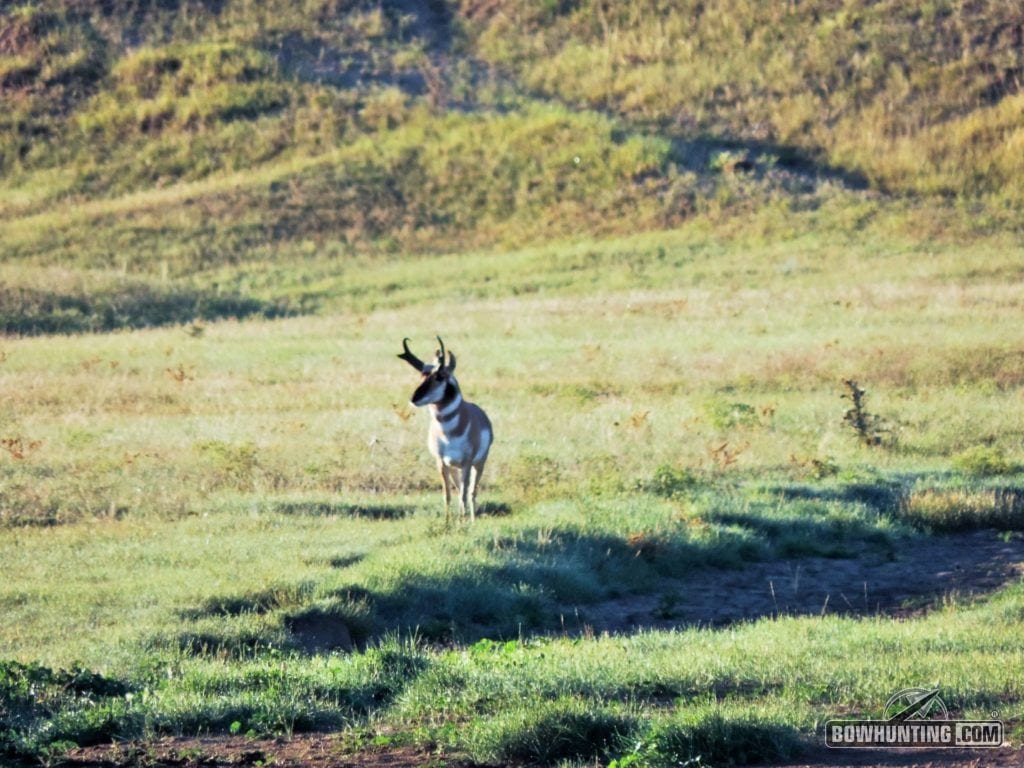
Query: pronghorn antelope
<point>460,433</point>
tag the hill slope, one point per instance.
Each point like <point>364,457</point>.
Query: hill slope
<point>175,140</point>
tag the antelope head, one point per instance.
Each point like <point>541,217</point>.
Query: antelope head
<point>437,381</point>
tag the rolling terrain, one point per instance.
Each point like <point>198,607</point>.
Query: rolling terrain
<point>739,285</point>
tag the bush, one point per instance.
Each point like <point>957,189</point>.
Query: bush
<point>984,461</point>
<point>723,414</point>
<point>670,482</point>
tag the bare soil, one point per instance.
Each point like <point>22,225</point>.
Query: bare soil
<point>325,751</point>
<point>314,750</point>
<point>1005,757</point>
<point>909,580</point>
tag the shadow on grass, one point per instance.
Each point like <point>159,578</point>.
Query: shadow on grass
<point>258,601</point>
<point>568,729</point>
<point>813,552</point>
<point>343,509</point>
<point>526,582</point>
<point>808,529</point>
<point>42,709</point>
<point>934,502</point>
<point>794,166</point>
<point>884,496</point>
<point>529,579</point>
<point>31,311</point>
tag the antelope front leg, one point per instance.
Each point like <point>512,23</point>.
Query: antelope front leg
<point>466,491</point>
<point>446,481</point>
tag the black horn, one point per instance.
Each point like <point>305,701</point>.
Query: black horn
<point>440,354</point>
<point>411,359</point>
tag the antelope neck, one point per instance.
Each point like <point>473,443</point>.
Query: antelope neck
<point>448,404</point>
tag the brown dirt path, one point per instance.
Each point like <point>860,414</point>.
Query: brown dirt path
<point>912,578</point>
<point>1005,757</point>
<point>326,751</point>
<point>309,750</point>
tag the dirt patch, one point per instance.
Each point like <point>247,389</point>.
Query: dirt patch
<point>911,758</point>
<point>327,751</point>
<point>918,575</point>
<point>314,750</point>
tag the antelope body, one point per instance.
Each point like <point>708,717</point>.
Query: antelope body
<point>460,433</point>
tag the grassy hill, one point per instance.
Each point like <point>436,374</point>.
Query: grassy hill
<point>166,139</point>
<point>914,98</point>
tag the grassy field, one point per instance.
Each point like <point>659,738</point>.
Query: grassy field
<point>738,283</point>
<point>209,517</point>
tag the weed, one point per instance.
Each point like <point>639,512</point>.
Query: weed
<point>816,468</point>
<point>871,429</point>
<point>724,415</point>
<point>670,482</point>
<point>725,455</point>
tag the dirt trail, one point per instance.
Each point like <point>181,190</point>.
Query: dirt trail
<point>1004,757</point>
<point>325,751</point>
<point>909,580</point>
<point>310,750</point>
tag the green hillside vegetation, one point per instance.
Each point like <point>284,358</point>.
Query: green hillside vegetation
<point>166,138</point>
<point>920,98</point>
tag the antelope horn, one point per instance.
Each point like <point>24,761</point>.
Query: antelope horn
<point>440,354</point>
<point>411,359</point>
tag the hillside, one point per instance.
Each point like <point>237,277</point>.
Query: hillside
<point>923,98</point>
<point>737,285</point>
<point>180,149</point>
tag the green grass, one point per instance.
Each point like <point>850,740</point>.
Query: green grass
<point>156,142</point>
<point>920,98</point>
<point>658,240</point>
<point>255,534</point>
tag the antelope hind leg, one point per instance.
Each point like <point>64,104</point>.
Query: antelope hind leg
<point>474,482</point>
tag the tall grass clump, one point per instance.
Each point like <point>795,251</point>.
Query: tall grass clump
<point>958,509</point>
<point>705,735</point>
<point>565,729</point>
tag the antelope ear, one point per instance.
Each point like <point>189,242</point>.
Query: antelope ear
<point>451,361</point>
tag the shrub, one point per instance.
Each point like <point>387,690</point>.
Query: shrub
<point>984,461</point>
<point>670,482</point>
<point>871,429</point>
<point>723,414</point>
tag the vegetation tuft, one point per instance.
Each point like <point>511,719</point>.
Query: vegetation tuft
<point>545,735</point>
